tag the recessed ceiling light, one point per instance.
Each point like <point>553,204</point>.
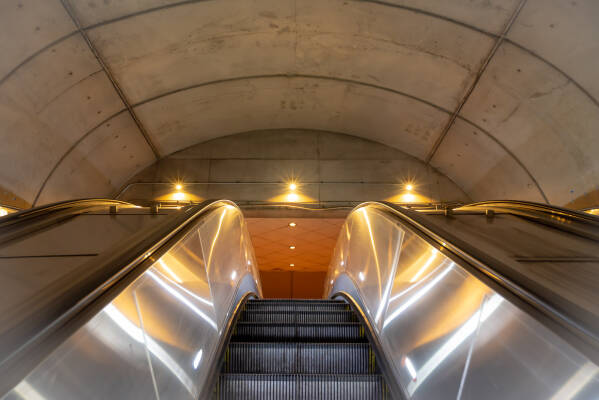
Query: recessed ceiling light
<point>292,265</point>
<point>292,186</point>
<point>292,224</point>
<point>178,186</point>
<point>292,247</point>
<point>409,186</point>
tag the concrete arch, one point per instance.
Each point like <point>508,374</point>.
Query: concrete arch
<point>430,51</point>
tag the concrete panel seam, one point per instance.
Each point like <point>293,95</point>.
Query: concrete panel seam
<point>293,76</point>
<point>112,79</point>
<point>479,74</point>
<point>35,54</point>
<point>510,153</point>
<point>69,151</point>
<point>377,2</point>
<point>555,67</point>
<point>419,11</point>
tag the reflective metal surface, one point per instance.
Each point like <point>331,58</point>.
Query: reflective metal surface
<point>158,338</point>
<point>445,332</point>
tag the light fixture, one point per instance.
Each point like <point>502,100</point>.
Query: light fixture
<point>409,186</point>
<point>178,186</point>
<point>292,224</point>
<point>292,265</point>
<point>292,186</point>
<point>292,247</point>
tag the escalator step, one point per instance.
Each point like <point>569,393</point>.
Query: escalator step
<point>314,332</point>
<point>295,306</point>
<point>298,316</point>
<point>300,387</point>
<point>298,301</point>
<point>304,358</point>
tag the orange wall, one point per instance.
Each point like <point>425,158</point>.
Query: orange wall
<point>292,284</point>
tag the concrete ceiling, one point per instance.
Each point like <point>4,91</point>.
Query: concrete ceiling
<point>490,92</point>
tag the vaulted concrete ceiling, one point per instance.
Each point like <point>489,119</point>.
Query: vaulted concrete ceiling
<point>492,93</point>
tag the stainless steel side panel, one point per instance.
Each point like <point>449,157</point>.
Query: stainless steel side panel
<point>158,338</point>
<point>446,333</point>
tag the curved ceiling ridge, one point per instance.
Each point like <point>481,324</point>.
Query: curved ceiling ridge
<point>279,76</point>
<point>353,82</point>
<point>377,2</point>
<point>509,152</point>
<point>293,76</point>
<point>70,150</point>
<point>35,54</point>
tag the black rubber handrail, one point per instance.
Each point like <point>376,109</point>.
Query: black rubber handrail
<point>25,215</point>
<point>86,290</point>
<point>533,206</point>
<point>580,336</point>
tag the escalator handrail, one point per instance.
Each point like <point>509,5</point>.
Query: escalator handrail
<point>129,261</point>
<point>23,216</point>
<point>487,266</point>
<point>534,206</point>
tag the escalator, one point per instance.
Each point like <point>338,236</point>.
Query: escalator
<point>105,299</point>
<point>299,349</point>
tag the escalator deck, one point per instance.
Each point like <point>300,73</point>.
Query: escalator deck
<point>299,349</point>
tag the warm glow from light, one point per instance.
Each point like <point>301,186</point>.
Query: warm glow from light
<point>426,265</point>
<point>170,271</point>
<point>292,197</point>
<point>179,196</point>
<point>292,247</point>
<point>3,212</point>
<point>292,265</point>
<point>408,198</point>
<point>178,186</point>
<point>292,186</point>
<point>409,186</point>
<point>292,224</point>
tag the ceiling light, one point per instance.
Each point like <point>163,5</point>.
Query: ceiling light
<point>292,186</point>
<point>178,186</point>
<point>409,186</point>
<point>292,247</point>
<point>292,265</point>
<point>179,196</point>
<point>292,224</point>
